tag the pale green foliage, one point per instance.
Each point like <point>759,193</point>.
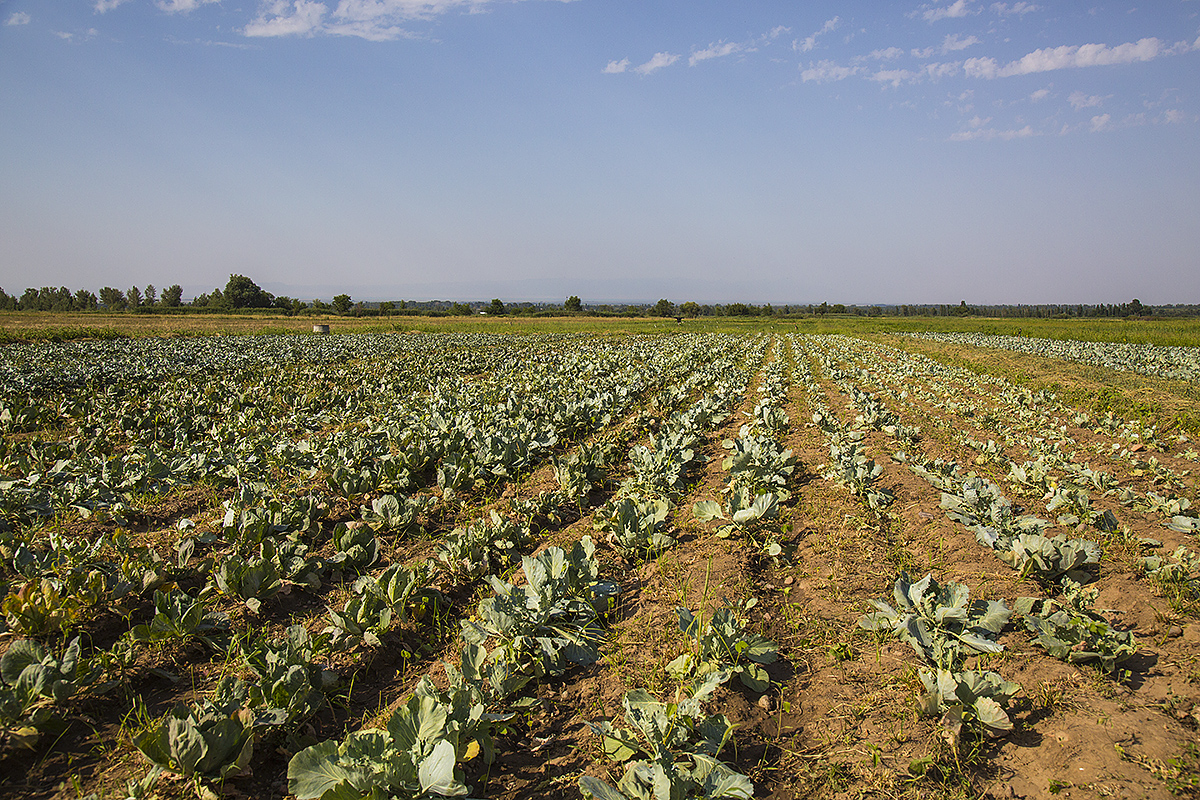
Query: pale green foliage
<point>549,623</point>
<point>939,621</point>
<point>635,525</point>
<point>1069,628</point>
<point>209,740</point>
<point>722,646</point>
<point>678,745</point>
<point>972,700</point>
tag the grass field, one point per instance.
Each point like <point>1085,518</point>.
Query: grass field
<point>33,326</point>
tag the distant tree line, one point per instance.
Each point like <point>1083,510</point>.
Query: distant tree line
<point>242,293</point>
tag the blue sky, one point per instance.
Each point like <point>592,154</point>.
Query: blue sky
<point>867,152</point>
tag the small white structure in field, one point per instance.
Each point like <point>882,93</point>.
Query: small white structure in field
<point>320,329</point>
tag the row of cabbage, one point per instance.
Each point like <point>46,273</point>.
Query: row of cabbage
<point>1182,363</point>
<point>939,621</point>
<point>1037,424</point>
<point>274,540</point>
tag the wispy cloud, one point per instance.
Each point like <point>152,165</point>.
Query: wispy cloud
<point>102,6</point>
<point>657,62</point>
<point>376,20</point>
<point>1101,122</point>
<point>1016,9</point>
<point>826,71</point>
<point>953,43</point>
<point>1039,95</point>
<point>886,54</point>
<point>182,6</point>
<point>977,128</point>
<point>18,18</point>
<point>1069,56</point>
<point>959,8</point>
<point>893,76</point>
<point>715,51</point>
<point>616,67</point>
<point>1080,100</point>
<point>281,18</point>
<point>809,42</point>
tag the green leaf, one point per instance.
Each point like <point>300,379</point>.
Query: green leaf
<point>436,772</point>
<point>315,771</point>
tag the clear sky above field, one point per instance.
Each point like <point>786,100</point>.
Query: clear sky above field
<point>783,152</point>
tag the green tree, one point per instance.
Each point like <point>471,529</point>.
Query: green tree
<point>496,308</point>
<point>573,304</point>
<point>460,310</point>
<point>84,300</point>
<point>387,307</point>
<point>341,303</point>
<point>151,294</point>
<point>241,292</point>
<point>7,301</point>
<point>172,296</point>
<point>112,299</point>
<point>133,296</point>
<point>689,309</point>
<point>663,308</point>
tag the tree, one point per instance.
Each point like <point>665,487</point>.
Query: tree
<point>387,307</point>
<point>172,296</point>
<point>29,300</point>
<point>689,309</point>
<point>133,296</point>
<point>151,294</point>
<point>84,300</point>
<point>496,308</point>
<point>1136,308</point>
<point>460,310</point>
<point>663,308</point>
<point>573,304</point>
<point>341,303</point>
<point>241,292</point>
<point>112,299</point>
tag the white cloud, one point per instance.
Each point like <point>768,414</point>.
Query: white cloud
<point>18,18</point>
<point>777,31</point>
<point>281,18</point>
<point>1080,100</point>
<point>656,63</point>
<point>1101,122</point>
<point>941,69</point>
<point>1040,94</point>
<point>981,67</point>
<point>715,51</point>
<point>1069,56</point>
<point>1173,115</point>
<point>811,41</point>
<point>376,20</point>
<point>102,6</point>
<point>953,43</point>
<point>1019,9</point>
<point>893,76</point>
<point>959,8</point>
<point>978,131</point>
<point>887,54</point>
<point>616,67</point>
<point>181,6</point>
<point>826,71</point>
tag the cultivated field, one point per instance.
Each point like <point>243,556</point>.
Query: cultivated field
<point>536,559</point>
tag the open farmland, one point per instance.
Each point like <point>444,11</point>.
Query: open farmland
<point>769,564</point>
